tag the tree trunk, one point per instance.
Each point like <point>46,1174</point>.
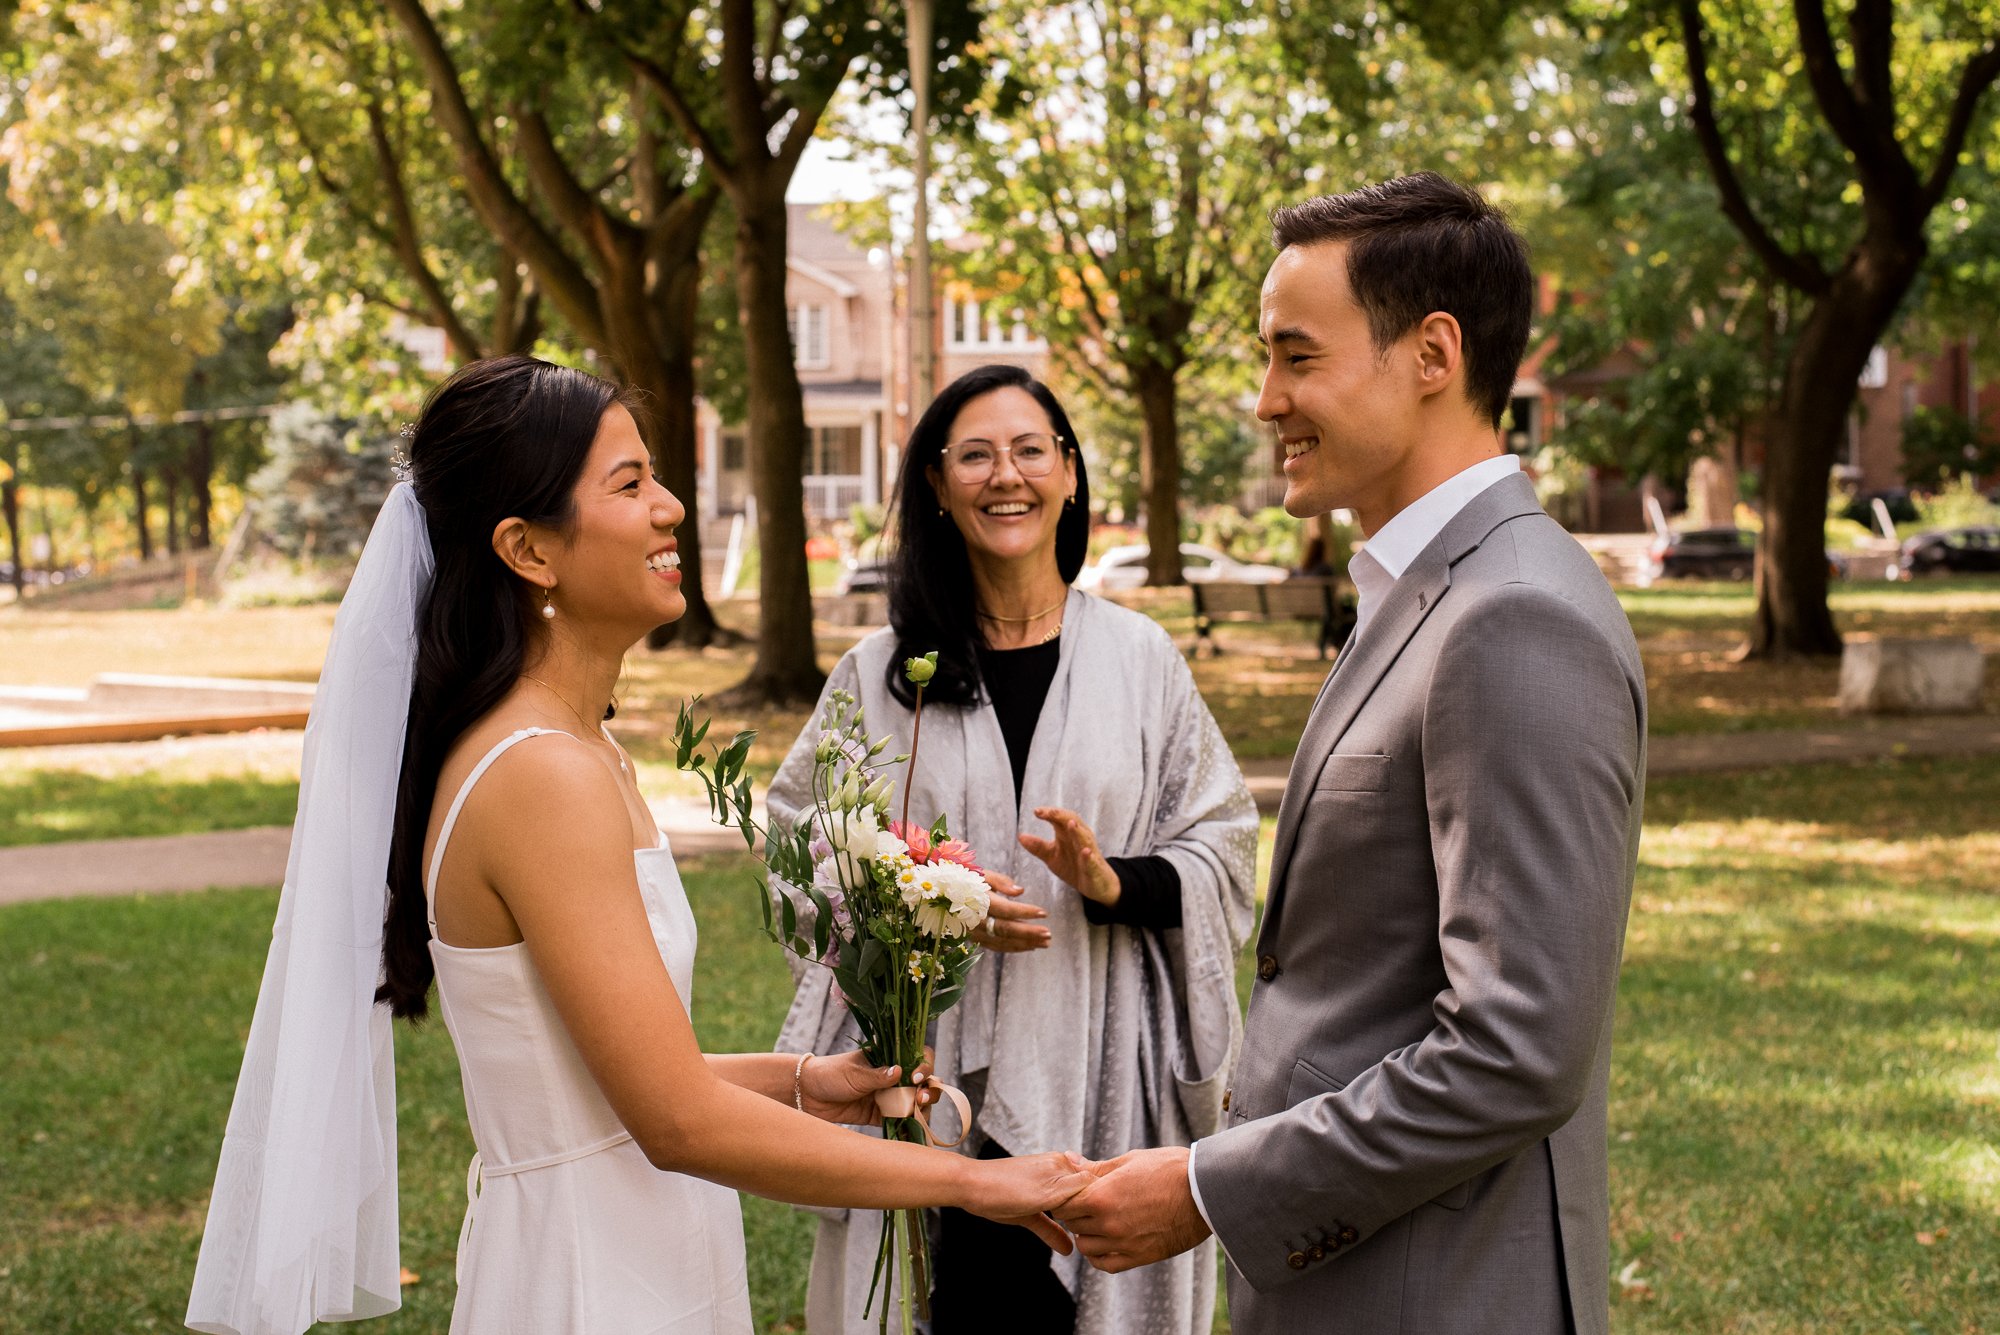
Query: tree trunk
<point>201,494</point>
<point>139,498</point>
<point>170,491</point>
<point>652,340</point>
<point>1821,377</point>
<point>10,506</point>
<point>786,669</point>
<point>1160,465</point>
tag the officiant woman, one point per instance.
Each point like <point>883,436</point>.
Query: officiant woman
<point>1065,740</point>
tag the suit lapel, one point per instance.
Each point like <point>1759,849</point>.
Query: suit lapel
<point>1348,687</point>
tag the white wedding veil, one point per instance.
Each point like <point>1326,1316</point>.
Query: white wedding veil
<point>302,1223</point>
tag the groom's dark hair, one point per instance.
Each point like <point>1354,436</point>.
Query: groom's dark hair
<point>1419,244</point>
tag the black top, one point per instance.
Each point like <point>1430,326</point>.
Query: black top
<point>1017,682</point>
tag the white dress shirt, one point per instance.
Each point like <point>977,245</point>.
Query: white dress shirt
<point>1375,570</point>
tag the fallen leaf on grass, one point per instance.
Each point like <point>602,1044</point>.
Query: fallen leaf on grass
<point>410,1277</point>
<point>1929,1236</point>
<point>1631,1286</point>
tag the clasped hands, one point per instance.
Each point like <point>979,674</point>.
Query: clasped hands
<point>1136,1209</point>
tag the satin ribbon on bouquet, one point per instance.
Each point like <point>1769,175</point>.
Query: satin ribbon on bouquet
<point>901,1101</point>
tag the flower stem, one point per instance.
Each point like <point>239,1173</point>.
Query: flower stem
<point>910,768</point>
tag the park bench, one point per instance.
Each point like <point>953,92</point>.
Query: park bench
<point>1305,599</point>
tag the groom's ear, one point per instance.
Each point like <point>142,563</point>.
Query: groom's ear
<point>522,548</point>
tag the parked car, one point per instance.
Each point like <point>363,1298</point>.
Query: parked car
<point>1125,568</point>
<point>1902,506</point>
<point>869,576</point>
<point>1714,553</point>
<point>1951,550</point>
<point>1703,553</point>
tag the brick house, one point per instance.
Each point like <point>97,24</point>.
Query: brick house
<point>850,338</point>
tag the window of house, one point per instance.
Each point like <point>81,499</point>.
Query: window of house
<point>970,324</point>
<point>807,324</point>
<point>833,451</point>
<point>734,457</point>
<point>1520,424</point>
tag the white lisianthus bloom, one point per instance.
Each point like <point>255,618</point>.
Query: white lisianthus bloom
<point>888,848</point>
<point>856,832</point>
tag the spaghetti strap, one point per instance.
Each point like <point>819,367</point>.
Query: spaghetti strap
<point>458,804</point>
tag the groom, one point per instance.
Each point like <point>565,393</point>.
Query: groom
<point>1415,1139</point>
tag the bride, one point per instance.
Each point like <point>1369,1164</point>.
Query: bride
<point>498,595</point>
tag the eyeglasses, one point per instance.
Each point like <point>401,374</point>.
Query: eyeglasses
<point>972,461</point>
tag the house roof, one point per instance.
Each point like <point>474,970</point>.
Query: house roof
<point>843,389</point>
<point>841,287</point>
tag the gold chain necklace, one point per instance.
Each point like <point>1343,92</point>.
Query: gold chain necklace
<point>529,676</point>
<point>1022,621</point>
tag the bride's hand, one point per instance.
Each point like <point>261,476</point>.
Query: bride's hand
<point>1073,855</point>
<point>842,1089</point>
<point>1010,927</point>
<point>1023,1190</point>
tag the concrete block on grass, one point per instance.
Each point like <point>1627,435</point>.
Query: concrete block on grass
<point>1885,675</point>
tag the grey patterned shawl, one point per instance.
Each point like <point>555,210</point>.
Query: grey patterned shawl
<point>1111,1039</point>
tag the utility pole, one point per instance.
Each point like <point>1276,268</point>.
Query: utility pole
<point>923,309</point>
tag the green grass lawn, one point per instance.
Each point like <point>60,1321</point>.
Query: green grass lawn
<point>49,794</point>
<point>1805,1115</point>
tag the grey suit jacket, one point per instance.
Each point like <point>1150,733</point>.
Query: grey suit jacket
<point>1415,1134</point>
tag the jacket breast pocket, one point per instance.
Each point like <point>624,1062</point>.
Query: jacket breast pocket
<point>1343,773</point>
<point>1308,1081</point>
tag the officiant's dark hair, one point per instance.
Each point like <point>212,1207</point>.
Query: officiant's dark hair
<point>1421,243</point>
<point>502,438</point>
<point>931,600</point>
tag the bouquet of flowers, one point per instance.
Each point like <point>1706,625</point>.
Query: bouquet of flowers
<point>885,905</point>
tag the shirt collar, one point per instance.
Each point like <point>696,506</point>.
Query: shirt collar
<point>1404,537</point>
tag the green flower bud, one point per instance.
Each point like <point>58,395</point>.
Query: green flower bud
<point>921,670</point>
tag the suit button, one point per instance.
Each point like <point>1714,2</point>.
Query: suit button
<point>1227,1094</point>
<point>1267,967</point>
<point>1297,1260</point>
<point>1316,1252</point>
<point>1347,1234</point>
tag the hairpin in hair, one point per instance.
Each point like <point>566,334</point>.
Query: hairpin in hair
<point>409,431</point>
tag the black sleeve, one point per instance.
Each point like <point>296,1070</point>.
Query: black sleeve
<point>1149,895</point>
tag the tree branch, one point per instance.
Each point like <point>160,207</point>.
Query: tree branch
<point>576,208</point>
<point>1977,76</point>
<point>1804,272</point>
<point>513,222</point>
<point>408,241</point>
<point>1836,100</point>
<point>662,83</point>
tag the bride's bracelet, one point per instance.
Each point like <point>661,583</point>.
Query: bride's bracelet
<point>798,1081</point>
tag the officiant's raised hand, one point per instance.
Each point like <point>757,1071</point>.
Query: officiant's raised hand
<point>1140,1209</point>
<point>842,1088</point>
<point>1010,927</point>
<point>1073,855</point>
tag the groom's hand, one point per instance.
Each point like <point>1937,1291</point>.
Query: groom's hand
<point>1138,1211</point>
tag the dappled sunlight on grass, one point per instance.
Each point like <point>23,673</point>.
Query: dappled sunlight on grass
<point>1804,1079</point>
<point>57,648</point>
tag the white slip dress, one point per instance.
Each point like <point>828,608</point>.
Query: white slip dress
<point>569,1230</point>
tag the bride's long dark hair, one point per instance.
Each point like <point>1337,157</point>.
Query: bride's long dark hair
<point>501,438</point>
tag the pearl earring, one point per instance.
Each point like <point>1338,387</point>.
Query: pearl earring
<point>548,605</point>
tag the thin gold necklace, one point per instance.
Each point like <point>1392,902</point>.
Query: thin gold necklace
<point>574,713</point>
<point>1022,621</point>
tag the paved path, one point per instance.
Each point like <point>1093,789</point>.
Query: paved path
<point>257,857</point>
